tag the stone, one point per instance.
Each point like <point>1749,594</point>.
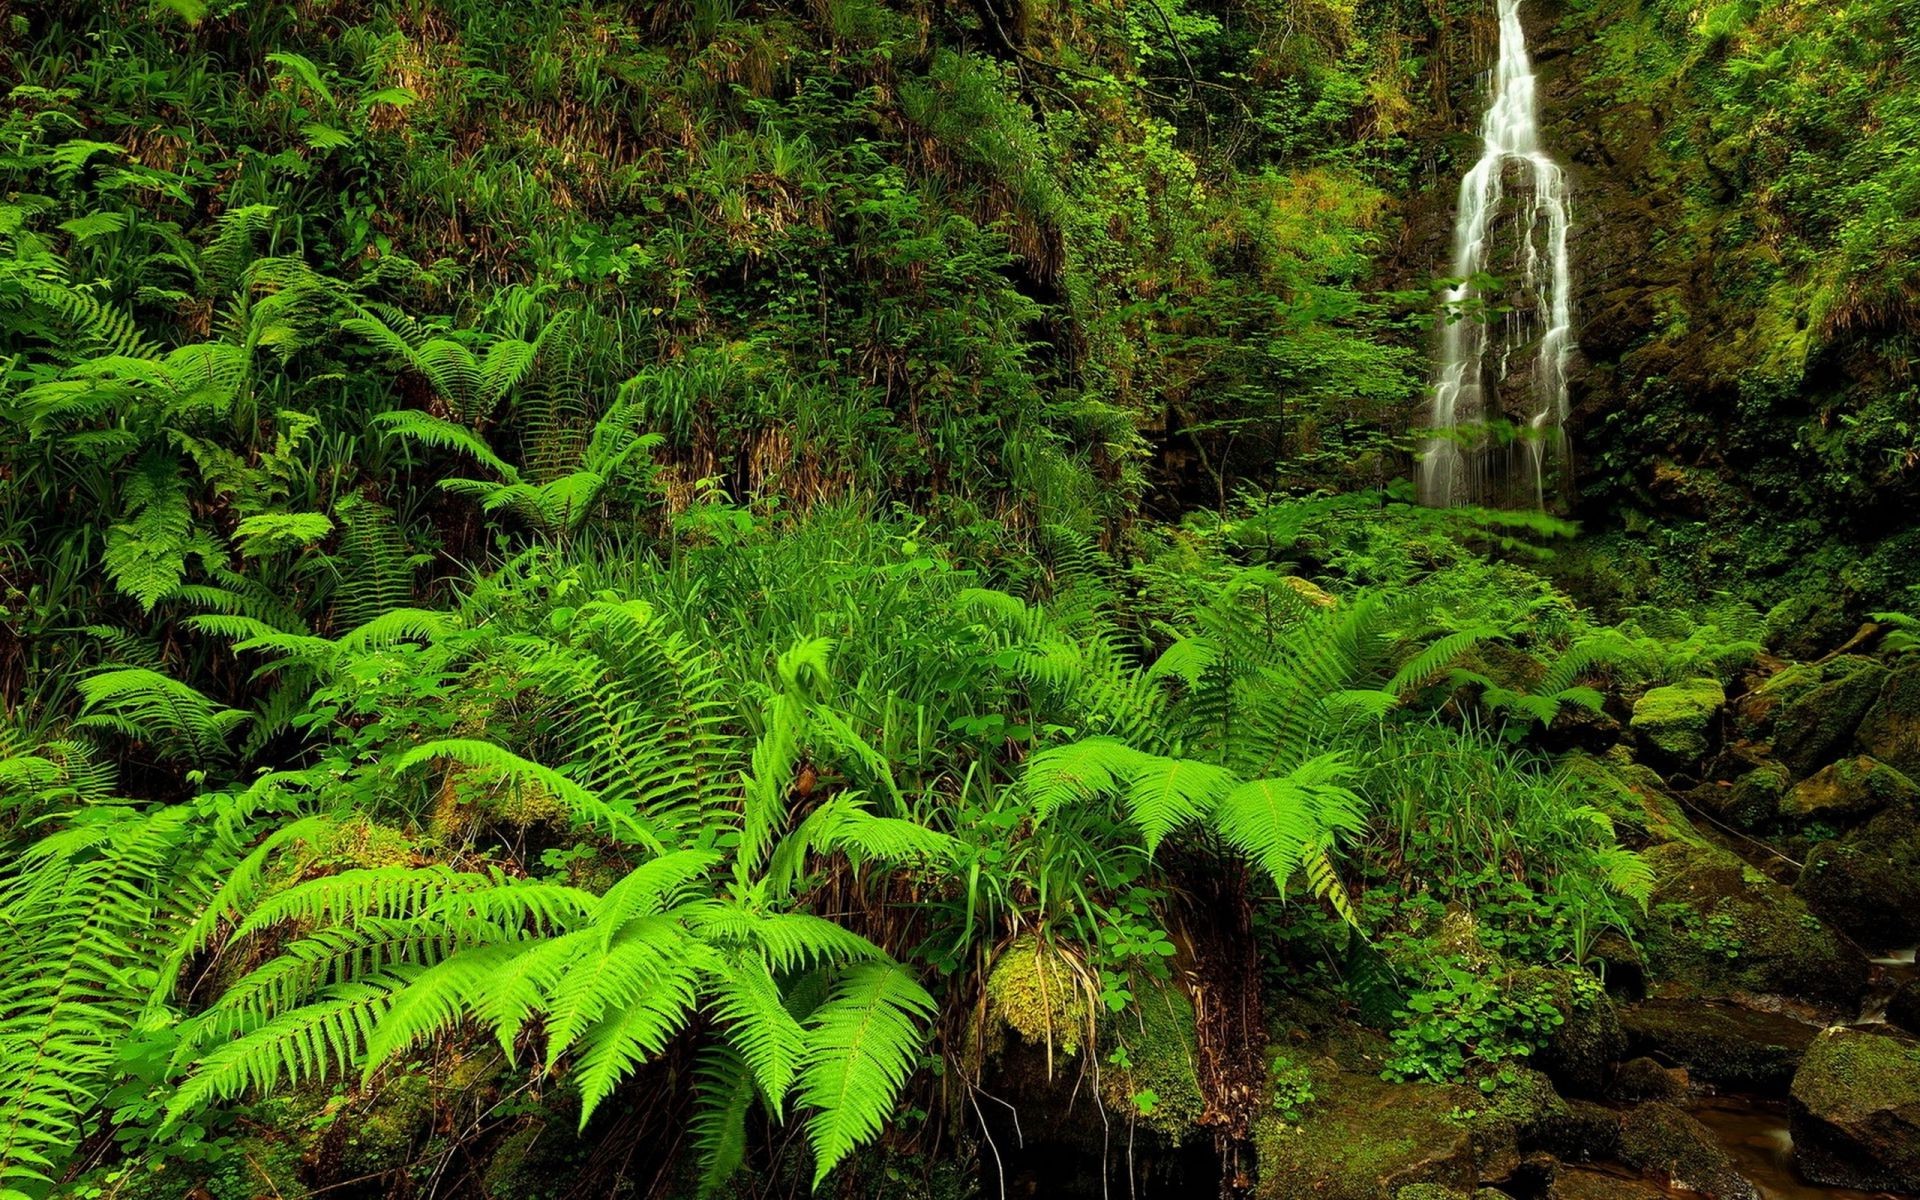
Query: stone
<point>1846,792</point>
<point>1581,1051</point>
<point>1582,1131</point>
<point>1855,1111</point>
<point>1366,1139</point>
<point>1749,802</point>
<point>1719,925</point>
<point>1819,722</point>
<point>1577,1184</point>
<point>1644,1079</point>
<point>1661,1138</point>
<point>1676,723</point>
<point>1723,1044</point>
<point>1868,883</point>
<point>1891,729</point>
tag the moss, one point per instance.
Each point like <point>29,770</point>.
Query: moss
<point>1818,723</point>
<point>1856,1111</point>
<point>1660,1138</point>
<point>1891,729</point>
<point>1721,924</point>
<point>1035,989</point>
<point>1589,1040</point>
<point>1677,721</point>
<point>1847,791</point>
<point>381,1138</point>
<point>1153,1052</point>
<point>1723,1044</point>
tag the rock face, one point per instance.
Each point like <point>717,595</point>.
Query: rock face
<point>1847,792</point>
<point>1661,1138</point>
<point>1903,1008</point>
<point>1855,1112</point>
<point>1719,925</point>
<point>1891,730</point>
<point>1676,724</point>
<point>1819,721</point>
<point>1868,883</point>
<point>1721,1043</point>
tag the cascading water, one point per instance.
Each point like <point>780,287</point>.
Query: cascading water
<point>1522,236</point>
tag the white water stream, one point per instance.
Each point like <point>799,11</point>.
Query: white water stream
<point>1513,216</point>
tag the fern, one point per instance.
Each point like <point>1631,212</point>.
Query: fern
<point>861,1045</point>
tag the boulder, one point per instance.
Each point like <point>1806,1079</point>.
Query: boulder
<point>1891,729</point>
<point>1580,1052</point>
<point>1847,792</point>
<point>1749,802</point>
<point>1723,1044</point>
<point>1676,723</point>
<point>1855,1111</point>
<point>1644,1079</point>
<point>1365,1139</point>
<point>1720,924</point>
<point>1868,883</point>
<point>1818,723</point>
<point>1581,1131</point>
<point>1662,1139</point>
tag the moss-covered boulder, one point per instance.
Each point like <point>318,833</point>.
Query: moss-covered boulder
<point>1365,1139</point>
<point>1847,792</point>
<point>1818,724</point>
<point>1153,1059</point>
<point>1581,1050</point>
<point>1855,1111</point>
<point>1723,1044</point>
<point>1868,883</point>
<point>1720,925</point>
<point>1676,724</point>
<point>1749,802</point>
<point>1644,1079</point>
<point>1891,729</point>
<point>1662,1139</point>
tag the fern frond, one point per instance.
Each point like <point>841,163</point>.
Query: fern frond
<point>861,1046</point>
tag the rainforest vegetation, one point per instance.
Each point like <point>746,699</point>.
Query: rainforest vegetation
<point>766,598</point>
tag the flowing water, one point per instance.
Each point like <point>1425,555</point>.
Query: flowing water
<point>1500,386</point>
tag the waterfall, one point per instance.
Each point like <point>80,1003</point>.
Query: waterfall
<point>1521,238</point>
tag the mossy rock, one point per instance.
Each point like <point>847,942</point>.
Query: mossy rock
<point>1159,1080</point>
<point>1751,802</point>
<point>1891,729</point>
<point>1868,883</point>
<point>1662,1139</point>
<point>1723,1044</point>
<point>1819,723</point>
<point>1366,1139</point>
<point>1580,1052</point>
<point>1676,723</point>
<point>1847,792</point>
<point>1855,1111</point>
<point>1721,925</point>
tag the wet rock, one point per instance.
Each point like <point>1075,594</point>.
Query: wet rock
<point>1622,970</point>
<point>1855,1111</point>
<point>1847,792</point>
<point>1581,1131</point>
<point>1903,1007</point>
<point>1365,1139</point>
<point>1644,1079</point>
<point>1676,723</point>
<point>1819,723</point>
<point>1721,1043</point>
<point>1596,1185</point>
<point>1719,924</point>
<point>1868,883</point>
<point>1663,1139</point>
<point>1891,730</point>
